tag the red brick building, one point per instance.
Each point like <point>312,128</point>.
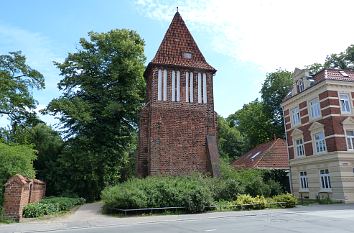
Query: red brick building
<point>319,125</point>
<point>178,122</point>
<point>269,155</point>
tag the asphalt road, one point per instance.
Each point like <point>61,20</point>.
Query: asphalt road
<point>321,219</point>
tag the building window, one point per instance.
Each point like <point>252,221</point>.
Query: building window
<point>350,139</point>
<point>175,89</point>
<point>315,109</point>
<point>164,85</point>
<point>304,183</point>
<point>159,85</point>
<point>300,85</point>
<point>189,87</point>
<point>344,103</point>
<point>199,88</point>
<point>325,179</point>
<point>320,142</point>
<point>295,116</point>
<point>205,94</point>
<point>299,145</point>
<point>187,55</point>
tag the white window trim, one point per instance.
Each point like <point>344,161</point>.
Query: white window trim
<point>165,85</point>
<point>296,147</point>
<point>205,94</point>
<point>311,109</point>
<point>199,88</point>
<point>159,85</point>
<point>173,89</point>
<point>187,86</point>
<point>305,179</point>
<point>191,87</point>
<point>292,116</point>
<point>349,103</point>
<point>329,189</point>
<point>178,88</point>
<point>346,139</point>
<point>314,142</point>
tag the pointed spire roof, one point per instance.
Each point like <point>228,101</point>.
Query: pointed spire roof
<point>178,48</point>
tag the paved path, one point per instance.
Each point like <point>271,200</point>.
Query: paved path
<point>320,218</point>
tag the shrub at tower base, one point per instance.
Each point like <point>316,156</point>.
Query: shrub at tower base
<point>195,192</point>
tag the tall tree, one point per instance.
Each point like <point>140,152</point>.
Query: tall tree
<point>253,123</point>
<point>342,60</point>
<point>230,140</point>
<point>103,89</point>
<point>17,80</point>
<point>274,89</point>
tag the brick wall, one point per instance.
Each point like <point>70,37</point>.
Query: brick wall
<point>173,135</point>
<point>19,191</point>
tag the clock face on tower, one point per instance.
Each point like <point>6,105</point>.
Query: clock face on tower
<point>177,127</point>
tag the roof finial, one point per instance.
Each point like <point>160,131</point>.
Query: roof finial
<point>177,9</point>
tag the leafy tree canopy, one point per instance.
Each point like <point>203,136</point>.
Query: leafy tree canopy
<point>103,90</point>
<point>274,89</point>
<point>17,80</point>
<point>230,140</point>
<point>253,123</point>
<point>343,60</point>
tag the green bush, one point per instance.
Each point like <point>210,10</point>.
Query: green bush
<point>15,159</point>
<point>260,202</point>
<point>244,199</point>
<point>289,199</point>
<point>189,192</point>
<point>51,205</point>
<point>225,189</point>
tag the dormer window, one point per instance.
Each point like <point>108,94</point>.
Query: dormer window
<point>300,86</point>
<point>187,55</point>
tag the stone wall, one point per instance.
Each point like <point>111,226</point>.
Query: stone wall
<point>19,191</point>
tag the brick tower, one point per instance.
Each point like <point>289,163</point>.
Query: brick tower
<point>178,124</point>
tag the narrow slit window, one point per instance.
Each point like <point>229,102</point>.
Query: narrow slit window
<point>205,95</point>
<point>159,85</point>
<point>178,86</point>
<point>191,87</point>
<point>187,85</point>
<point>165,85</point>
<point>173,89</point>
<point>199,88</point>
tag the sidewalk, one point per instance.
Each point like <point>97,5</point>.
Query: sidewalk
<point>89,215</point>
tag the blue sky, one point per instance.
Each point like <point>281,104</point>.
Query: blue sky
<point>243,40</point>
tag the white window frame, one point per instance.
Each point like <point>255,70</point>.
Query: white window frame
<point>159,85</point>
<point>299,147</point>
<point>173,87</point>
<point>205,94</point>
<point>301,86</point>
<point>345,103</point>
<point>164,85</point>
<point>295,116</point>
<point>349,139</point>
<point>178,86</point>
<point>325,180</point>
<point>319,145</point>
<point>187,86</point>
<point>315,108</point>
<point>304,181</point>
<point>191,89</point>
<point>199,88</point>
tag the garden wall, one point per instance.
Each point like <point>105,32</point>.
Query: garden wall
<point>19,191</point>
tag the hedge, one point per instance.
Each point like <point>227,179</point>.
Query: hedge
<point>51,205</point>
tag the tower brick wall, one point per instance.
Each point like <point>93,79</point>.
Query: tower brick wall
<point>173,133</point>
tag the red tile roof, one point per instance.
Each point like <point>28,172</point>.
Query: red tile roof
<point>269,155</point>
<point>334,74</point>
<point>177,41</point>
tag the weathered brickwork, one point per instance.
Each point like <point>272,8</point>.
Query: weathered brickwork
<point>173,134</point>
<point>19,191</point>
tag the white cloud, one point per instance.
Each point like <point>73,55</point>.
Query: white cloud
<point>271,34</point>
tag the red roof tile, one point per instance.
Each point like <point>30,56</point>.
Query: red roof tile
<point>269,155</point>
<point>177,41</point>
<point>335,74</point>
